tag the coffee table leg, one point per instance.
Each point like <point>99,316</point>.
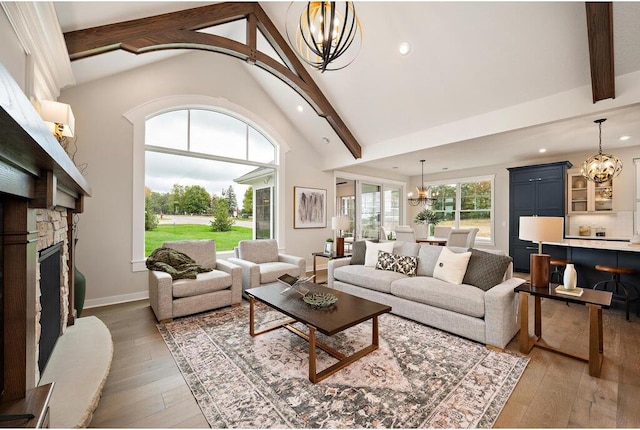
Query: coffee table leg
<point>313,377</point>
<point>374,333</point>
<point>252,302</point>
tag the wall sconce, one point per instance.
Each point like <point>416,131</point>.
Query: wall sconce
<point>59,118</point>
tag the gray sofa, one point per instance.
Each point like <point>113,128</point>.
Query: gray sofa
<point>489,317</point>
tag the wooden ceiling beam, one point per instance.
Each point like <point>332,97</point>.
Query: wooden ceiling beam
<point>600,35</point>
<point>177,30</point>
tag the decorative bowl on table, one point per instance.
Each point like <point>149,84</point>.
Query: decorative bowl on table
<point>319,300</point>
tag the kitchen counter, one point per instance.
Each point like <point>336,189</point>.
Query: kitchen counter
<point>612,245</point>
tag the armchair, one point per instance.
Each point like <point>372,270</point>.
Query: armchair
<point>262,264</point>
<point>210,290</point>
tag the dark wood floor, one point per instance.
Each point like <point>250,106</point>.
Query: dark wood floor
<point>146,389</point>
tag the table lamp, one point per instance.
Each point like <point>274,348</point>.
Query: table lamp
<point>339,224</point>
<point>541,229</point>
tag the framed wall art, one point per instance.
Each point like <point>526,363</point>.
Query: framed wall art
<point>310,207</point>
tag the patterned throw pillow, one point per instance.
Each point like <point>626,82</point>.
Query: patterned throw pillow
<point>386,261</point>
<point>485,270</point>
<point>406,264</point>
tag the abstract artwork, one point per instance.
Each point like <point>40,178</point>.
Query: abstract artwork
<point>310,207</point>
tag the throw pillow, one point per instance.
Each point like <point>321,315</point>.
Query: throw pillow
<point>486,270</point>
<point>371,254</point>
<point>451,266</point>
<point>358,251</point>
<point>386,261</point>
<point>427,259</point>
<point>406,264</point>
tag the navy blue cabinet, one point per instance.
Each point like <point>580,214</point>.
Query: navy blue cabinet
<point>534,190</point>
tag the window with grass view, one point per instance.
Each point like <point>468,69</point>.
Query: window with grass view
<point>207,173</point>
<point>466,204</point>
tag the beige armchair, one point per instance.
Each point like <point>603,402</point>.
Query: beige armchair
<point>262,264</point>
<point>210,290</point>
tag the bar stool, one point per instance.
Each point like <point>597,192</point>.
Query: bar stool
<point>615,279</point>
<point>558,270</point>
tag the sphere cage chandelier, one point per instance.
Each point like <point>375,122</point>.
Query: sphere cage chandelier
<point>601,168</point>
<point>323,32</point>
<point>424,198</point>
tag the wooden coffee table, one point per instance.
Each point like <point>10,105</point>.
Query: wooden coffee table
<point>347,312</point>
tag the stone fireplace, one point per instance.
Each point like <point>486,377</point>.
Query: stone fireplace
<point>40,192</point>
<point>52,230</point>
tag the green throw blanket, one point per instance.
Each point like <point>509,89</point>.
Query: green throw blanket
<point>178,264</point>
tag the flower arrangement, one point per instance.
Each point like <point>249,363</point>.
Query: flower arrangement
<point>427,216</point>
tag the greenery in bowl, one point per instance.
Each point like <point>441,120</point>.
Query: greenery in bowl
<point>427,216</point>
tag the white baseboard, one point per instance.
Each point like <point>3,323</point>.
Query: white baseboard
<point>113,300</point>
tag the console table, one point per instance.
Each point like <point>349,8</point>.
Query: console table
<point>593,299</point>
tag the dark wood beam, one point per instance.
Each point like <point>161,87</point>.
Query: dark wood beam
<point>176,30</point>
<point>600,35</point>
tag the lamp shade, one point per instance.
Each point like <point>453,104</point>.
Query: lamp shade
<point>340,222</point>
<point>541,228</point>
<point>58,113</point>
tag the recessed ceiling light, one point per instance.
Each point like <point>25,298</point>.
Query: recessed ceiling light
<point>445,168</point>
<point>404,48</point>
<point>625,137</point>
<point>542,150</point>
<point>300,108</point>
<point>395,167</point>
<point>325,140</point>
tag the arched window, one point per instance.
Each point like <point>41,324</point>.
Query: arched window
<point>214,143</point>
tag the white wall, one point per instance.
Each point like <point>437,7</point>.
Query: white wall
<point>12,55</point>
<point>105,141</point>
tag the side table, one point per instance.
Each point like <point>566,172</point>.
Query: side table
<point>593,299</point>
<point>327,256</point>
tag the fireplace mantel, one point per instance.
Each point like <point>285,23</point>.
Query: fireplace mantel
<point>35,173</point>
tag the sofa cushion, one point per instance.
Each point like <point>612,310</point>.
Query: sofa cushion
<point>258,251</point>
<point>406,248</point>
<point>367,277</point>
<point>207,282</point>
<point>451,266</point>
<point>371,255</point>
<point>358,252</point>
<point>270,272</point>
<point>485,269</point>
<point>427,258</point>
<point>462,299</point>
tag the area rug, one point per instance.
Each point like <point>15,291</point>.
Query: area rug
<point>419,377</point>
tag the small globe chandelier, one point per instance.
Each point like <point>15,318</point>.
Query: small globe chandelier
<point>601,168</point>
<point>323,32</point>
<point>425,197</point>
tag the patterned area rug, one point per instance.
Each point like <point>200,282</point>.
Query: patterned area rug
<point>419,377</point>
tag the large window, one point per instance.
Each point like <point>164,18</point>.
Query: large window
<point>217,154</point>
<point>466,203</point>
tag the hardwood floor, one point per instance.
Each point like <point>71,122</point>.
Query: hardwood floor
<point>146,389</point>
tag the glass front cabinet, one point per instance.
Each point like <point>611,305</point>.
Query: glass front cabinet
<point>588,197</point>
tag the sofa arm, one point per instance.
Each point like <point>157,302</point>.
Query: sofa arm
<point>501,312</point>
<point>334,264</point>
<point>298,261</point>
<point>236,279</point>
<point>250,272</point>
<point>161,294</point>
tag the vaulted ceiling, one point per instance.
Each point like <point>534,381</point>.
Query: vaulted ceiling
<point>484,82</point>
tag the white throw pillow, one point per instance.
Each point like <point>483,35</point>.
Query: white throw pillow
<point>451,266</point>
<point>371,255</point>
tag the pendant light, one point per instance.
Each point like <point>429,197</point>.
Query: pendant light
<point>423,193</point>
<point>324,32</point>
<point>601,168</point>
